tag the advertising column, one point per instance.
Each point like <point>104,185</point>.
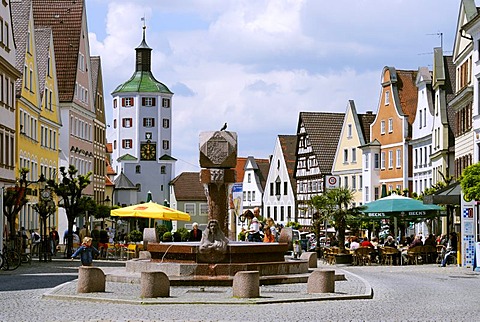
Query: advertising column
<point>467,247</point>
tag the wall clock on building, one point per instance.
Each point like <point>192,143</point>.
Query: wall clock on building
<point>147,151</point>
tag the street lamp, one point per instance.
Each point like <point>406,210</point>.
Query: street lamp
<point>45,207</point>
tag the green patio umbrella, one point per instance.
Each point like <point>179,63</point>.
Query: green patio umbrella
<point>403,207</point>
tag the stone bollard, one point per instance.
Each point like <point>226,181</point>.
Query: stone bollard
<point>90,279</point>
<point>311,257</point>
<point>154,284</point>
<point>321,281</point>
<point>144,254</point>
<point>246,284</point>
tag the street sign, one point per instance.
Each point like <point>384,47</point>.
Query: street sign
<point>332,182</point>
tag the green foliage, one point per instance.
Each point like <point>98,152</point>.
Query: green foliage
<point>69,189</point>
<point>161,229</point>
<point>334,205</point>
<point>294,225</point>
<point>470,182</point>
<point>184,233</point>
<point>14,198</point>
<point>135,236</point>
<point>167,237</point>
<point>242,236</point>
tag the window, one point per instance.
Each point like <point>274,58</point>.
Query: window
<point>166,144</point>
<point>203,209</point>
<point>127,143</point>
<point>253,195</point>
<point>382,127</point>
<point>376,160</point>
<point>138,169</point>
<point>189,208</point>
<point>166,123</point>
<point>148,101</point>
<point>127,122</point>
<point>367,165</point>
<point>127,101</point>
<point>424,116</point>
<point>115,123</point>
<point>354,182</point>
<point>277,188</point>
<point>163,169</point>
<point>165,102</point>
<point>285,188</point>
<point>399,158</point>
<point>387,97</point>
<point>115,103</point>
<point>148,122</point>
<point>354,155</point>
<point>376,193</point>
<point>390,125</point>
<point>345,181</point>
<point>390,159</point>
<point>349,131</point>
<point>382,160</point>
<point>421,119</point>
<point>360,182</point>
<point>367,194</point>
<point>345,156</point>
<point>249,178</point>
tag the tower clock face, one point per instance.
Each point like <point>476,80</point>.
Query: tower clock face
<point>147,151</point>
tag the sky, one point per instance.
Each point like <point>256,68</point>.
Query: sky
<point>256,64</point>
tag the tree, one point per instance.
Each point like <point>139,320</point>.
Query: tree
<point>323,207</point>
<point>70,189</point>
<point>470,182</point>
<point>335,204</point>
<point>14,198</point>
<point>102,212</point>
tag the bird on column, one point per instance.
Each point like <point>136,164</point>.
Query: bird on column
<point>224,127</point>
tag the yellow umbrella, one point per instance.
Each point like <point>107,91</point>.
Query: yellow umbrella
<point>150,210</point>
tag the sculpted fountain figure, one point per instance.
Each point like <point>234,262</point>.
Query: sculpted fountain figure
<point>213,245</point>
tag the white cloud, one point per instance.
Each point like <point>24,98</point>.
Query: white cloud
<point>257,64</point>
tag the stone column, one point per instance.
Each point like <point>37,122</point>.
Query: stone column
<point>218,158</point>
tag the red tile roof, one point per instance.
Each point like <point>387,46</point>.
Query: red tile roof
<point>408,93</point>
<point>64,17</point>
<point>187,186</point>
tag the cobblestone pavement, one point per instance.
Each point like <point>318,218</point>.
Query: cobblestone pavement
<point>406,293</point>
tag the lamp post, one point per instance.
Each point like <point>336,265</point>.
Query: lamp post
<point>45,207</point>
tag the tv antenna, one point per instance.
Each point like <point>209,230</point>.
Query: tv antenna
<point>440,34</point>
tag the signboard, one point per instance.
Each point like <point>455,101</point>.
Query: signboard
<point>237,197</point>
<point>332,182</point>
<point>467,232</point>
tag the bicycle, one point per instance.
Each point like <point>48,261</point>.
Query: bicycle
<point>12,258</point>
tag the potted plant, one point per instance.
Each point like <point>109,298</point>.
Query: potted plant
<point>135,236</point>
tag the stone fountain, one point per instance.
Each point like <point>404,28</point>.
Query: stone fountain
<point>215,259</point>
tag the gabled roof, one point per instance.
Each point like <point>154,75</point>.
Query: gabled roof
<point>240,169</point>
<point>187,187</point>
<point>288,143</point>
<point>408,93</point>
<point>108,182</point>
<point>127,157</point>
<point>109,147</point>
<point>323,130</point>
<point>365,121</point>
<point>167,157</point>
<point>64,17</point>
<point>262,172</point>
<point>123,183</point>
<point>96,72</point>
<point>42,44</point>
<point>20,11</point>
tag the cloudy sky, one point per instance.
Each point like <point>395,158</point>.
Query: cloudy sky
<point>257,63</point>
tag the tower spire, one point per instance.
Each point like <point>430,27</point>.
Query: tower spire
<point>143,52</point>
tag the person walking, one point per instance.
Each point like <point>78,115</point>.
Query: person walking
<point>54,241</point>
<point>86,252</point>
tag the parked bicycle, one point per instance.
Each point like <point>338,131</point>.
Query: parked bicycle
<point>11,259</point>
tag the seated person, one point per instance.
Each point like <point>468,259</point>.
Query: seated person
<point>430,241</point>
<point>195,233</point>
<point>268,237</point>
<point>354,243</point>
<point>390,242</point>
<point>451,249</point>
<point>366,243</point>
